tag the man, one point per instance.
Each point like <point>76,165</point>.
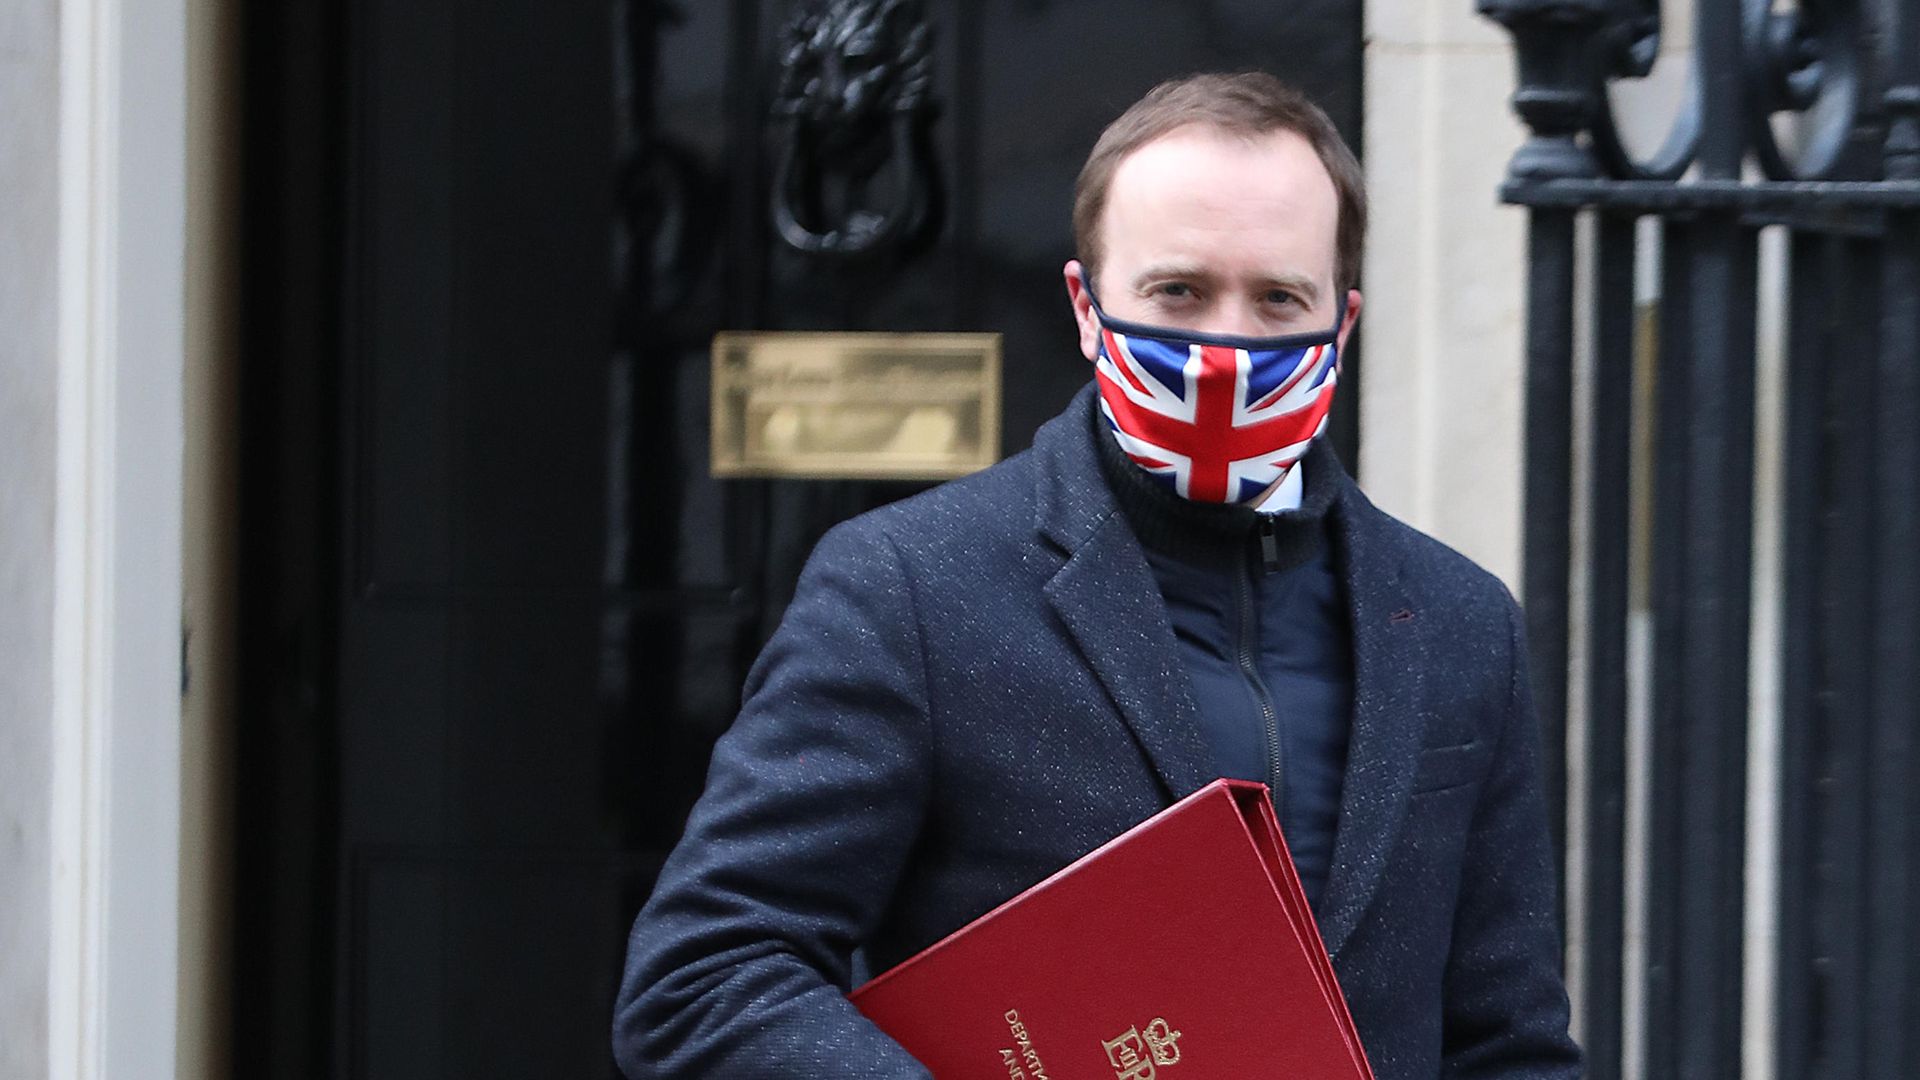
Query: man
<point>1178,581</point>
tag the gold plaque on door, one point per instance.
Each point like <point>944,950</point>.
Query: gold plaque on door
<point>850,406</point>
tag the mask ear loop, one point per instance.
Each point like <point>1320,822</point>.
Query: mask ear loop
<point>1086,282</point>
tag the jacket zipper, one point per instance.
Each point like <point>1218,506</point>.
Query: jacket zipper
<point>1276,776</point>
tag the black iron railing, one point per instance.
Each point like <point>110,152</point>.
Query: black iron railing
<point>1805,120</point>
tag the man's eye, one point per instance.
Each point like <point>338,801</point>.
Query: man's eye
<point>1176,289</point>
<point>1281,296</point>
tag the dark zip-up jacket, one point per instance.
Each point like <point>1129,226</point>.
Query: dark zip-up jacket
<point>1261,627</point>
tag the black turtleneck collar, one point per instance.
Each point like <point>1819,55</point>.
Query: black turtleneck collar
<point>1193,530</point>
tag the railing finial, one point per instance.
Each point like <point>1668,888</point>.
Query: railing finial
<point>1554,46</point>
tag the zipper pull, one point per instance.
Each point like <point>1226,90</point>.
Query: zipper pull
<point>1269,546</point>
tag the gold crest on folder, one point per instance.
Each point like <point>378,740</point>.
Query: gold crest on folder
<point>855,406</point>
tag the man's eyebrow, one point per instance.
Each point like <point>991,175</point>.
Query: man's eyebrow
<point>1160,271</point>
<point>1296,283</point>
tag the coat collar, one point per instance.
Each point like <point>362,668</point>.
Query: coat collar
<point>1072,500</point>
<point>1110,603</point>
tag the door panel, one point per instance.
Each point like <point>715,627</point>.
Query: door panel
<point>501,610</point>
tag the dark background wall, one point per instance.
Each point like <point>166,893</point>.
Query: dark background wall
<point>495,609</point>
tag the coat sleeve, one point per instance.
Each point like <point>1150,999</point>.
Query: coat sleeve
<point>1505,1011</point>
<point>738,965</point>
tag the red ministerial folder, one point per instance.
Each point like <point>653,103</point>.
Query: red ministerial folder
<point>1183,949</point>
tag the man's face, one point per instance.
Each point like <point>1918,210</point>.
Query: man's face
<point>1210,232</point>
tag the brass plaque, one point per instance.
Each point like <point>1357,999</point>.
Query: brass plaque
<point>850,406</point>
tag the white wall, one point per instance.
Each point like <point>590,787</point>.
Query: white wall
<point>1445,279</point>
<point>29,210</point>
<point>91,222</point>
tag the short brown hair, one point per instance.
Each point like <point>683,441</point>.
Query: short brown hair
<point>1247,104</point>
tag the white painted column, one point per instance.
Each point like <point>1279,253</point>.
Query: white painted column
<point>29,238</point>
<point>113,923</point>
<point>1444,280</point>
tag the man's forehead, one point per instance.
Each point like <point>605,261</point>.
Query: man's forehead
<point>1199,191</point>
<point>1187,152</point>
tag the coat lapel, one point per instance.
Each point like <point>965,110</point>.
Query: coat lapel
<point>1384,748</point>
<point>1106,596</point>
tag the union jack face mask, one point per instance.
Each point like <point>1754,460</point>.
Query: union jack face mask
<point>1216,417</point>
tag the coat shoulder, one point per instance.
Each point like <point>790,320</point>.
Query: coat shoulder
<point>1455,595</point>
<point>982,511</point>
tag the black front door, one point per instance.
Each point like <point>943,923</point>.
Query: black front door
<point>497,609</point>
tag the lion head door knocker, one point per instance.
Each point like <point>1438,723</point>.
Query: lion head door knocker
<point>854,176</point>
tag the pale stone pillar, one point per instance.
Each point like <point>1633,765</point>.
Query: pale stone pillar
<point>29,212</point>
<point>92,208</point>
<point>1444,281</point>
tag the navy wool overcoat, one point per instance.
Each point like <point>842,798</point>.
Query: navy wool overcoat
<point>977,685</point>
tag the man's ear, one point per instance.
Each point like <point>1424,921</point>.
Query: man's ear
<point>1348,322</point>
<point>1082,300</point>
